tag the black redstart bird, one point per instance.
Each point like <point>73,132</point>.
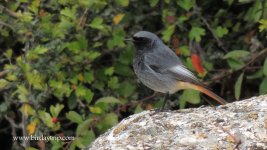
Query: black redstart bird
<point>159,68</point>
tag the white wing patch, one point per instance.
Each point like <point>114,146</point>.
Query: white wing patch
<point>179,69</point>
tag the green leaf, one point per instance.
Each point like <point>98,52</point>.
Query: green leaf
<point>153,3</point>
<point>123,70</point>
<point>126,89</point>
<point>254,13</point>
<point>78,142</point>
<point>110,120</point>
<point>196,33</point>
<point>109,100</point>
<point>72,101</point>
<point>97,23</point>
<point>184,50</point>
<point>263,24</point>
<point>22,90</point>
<point>46,118</point>
<point>83,127</point>
<point>69,12</point>
<point>263,86</point>
<point>221,31</point>
<point>167,33</point>
<point>238,86</point>
<point>138,109</point>
<point>86,139</point>
<point>56,144</point>
<point>122,3</point>
<point>126,56</point>
<point>40,50</point>
<point>9,54</point>
<point>109,71</point>
<point>96,109</point>
<point>31,148</point>
<point>35,79</point>
<point>236,27</point>
<point>74,47</point>
<point>265,67</point>
<point>55,110</point>
<point>188,63</point>
<point>235,63</point>
<point>182,103</point>
<point>230,2</point>
<point>88,96</point>
<point>93,55</point>
<point>208,65</point>
<point>89,77</point>
<point>256,75</point>
<point>81,91</point>
<point>99,85</point>
<point>236,54</point>
<point>181,19</point>
<point>117,39</point>
<point>111,44</point>
<point>83,41</point>
<point>22,93</point>
<point>186,4</point>
<point>190,96</point>
<point>3,83</point>
<point>60,89</point>
<point>74,117</point>
<point>25,16</point>
<point>167,1</point>
<point>113,83</point>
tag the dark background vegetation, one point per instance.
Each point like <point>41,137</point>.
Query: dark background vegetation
<point>65,69</point>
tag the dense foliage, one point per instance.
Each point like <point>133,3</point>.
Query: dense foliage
<point>66,70</point>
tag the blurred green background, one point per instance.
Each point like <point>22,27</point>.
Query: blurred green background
<point>65,69</point>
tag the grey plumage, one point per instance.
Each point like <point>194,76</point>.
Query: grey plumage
<point>157,66</point>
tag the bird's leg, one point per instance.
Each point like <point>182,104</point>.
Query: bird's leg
<point>208,101</point>
<point>165,100</point>
<point>162,107</point>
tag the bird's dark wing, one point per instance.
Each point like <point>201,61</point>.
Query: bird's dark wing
<point>161,58</point>
<point>167,63</point>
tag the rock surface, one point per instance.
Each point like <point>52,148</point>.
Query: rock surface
<point>239,125</point>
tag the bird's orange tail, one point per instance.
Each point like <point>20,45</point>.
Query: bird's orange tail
<point>186,85</point>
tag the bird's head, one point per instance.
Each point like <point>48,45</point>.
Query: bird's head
<point>144,39</point>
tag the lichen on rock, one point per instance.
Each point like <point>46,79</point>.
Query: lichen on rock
<point>238,125</point>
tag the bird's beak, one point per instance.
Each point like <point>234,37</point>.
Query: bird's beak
<point>128,39</point>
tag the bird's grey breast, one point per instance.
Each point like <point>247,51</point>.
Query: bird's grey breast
<point>149,72</point>
<point>138,63</point>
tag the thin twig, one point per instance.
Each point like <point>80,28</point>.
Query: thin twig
<point>229,72</point>
<point>26,143</point>
<point>7,25</point>
<point>10,12</point>
<point>148,97</point>
<point>82,17</point>
<point>255,58</point>
<point>12,122</point>
<point>67,145</point>
<point>3,73</point>
<point>14,126</point>
<point>220,43</point>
